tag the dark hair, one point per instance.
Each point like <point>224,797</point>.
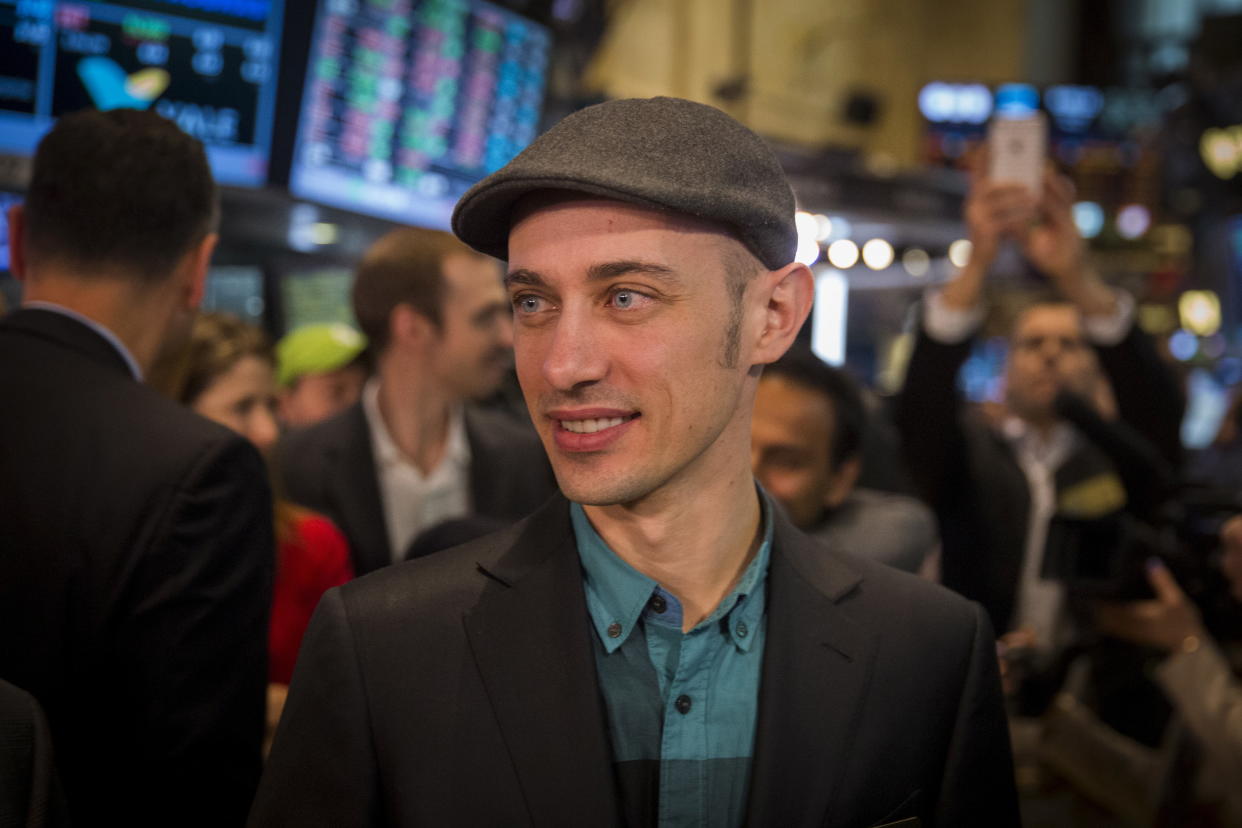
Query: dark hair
<point>123,191</point>
<point>405,267</point>
<point>801,367</point>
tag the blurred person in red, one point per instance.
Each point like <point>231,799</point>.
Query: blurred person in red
<point>320,371</point>
<point>996,483</point>
<point>226,375</point>
<point>415,450</point>
<point>136,549</point>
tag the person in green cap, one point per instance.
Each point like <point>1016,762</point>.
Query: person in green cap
<point>321,369</point>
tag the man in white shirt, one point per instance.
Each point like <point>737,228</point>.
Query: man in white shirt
<point>996,482</point>
<point>414,451</point>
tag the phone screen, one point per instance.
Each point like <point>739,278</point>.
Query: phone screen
<point>1016,150</point>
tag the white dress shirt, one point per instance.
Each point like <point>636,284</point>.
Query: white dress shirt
<point>1039,601</point>
<point>414,501</point>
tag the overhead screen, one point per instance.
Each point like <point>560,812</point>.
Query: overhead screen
<point>209,65</point>
<point>409,102</point>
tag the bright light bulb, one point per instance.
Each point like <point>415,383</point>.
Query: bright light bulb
<point>1133,221</point>
<point>916,262</point>
<point>1199,311</point>
<point>808,247</point>
<point>843,254</point>
<point>823,227</point>
<point>959,252</point>
<point>877,254</point>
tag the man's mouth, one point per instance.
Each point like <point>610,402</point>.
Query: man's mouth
<point>593,425</point>
<point>591,429</point>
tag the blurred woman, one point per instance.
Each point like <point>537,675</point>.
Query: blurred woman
<point>226,374</point>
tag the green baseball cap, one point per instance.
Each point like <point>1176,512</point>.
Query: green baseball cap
<point>316,349</point>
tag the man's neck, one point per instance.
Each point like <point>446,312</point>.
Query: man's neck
<point>136,316</point>
<point>415,411</point>
<point>695,542</point>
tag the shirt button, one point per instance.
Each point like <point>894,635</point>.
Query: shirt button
<point>742,630</point>
<point>683,704</point>
<point>658,604</point>
<point>614,630</point>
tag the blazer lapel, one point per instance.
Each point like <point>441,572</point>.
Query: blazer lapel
<point>529,636</point>
<point>816,666</point>
<point>356,490</point>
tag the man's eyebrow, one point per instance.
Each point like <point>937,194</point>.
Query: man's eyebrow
<point>611,270</point>
<point>600,273</point>
<point>524,277</point>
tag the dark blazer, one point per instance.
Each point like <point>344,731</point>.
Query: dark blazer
<point>136,558</point>
<point>330,467</point>
<point>460,689</point>
<point>970,476</point>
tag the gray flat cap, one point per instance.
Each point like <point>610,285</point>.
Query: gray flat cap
<point>666,153</point>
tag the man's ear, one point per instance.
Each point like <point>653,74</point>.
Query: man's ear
<point>17,242</point>
<point>407,326</point>
<point>197,262</point>
<point>789,293</point>
<point>841,484</point>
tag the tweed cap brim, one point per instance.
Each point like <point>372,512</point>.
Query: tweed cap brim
<point>665,153</point>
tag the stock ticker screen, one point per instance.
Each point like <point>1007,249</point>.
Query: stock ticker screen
<point>209,65</point>
<point>407,103</point>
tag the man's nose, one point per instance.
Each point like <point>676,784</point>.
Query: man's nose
<point>575,356</point>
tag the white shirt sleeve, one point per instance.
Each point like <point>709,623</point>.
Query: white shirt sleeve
<point>947,325</point>
<point>1111,328</point>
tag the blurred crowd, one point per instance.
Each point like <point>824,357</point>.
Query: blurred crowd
<point>165,544</point>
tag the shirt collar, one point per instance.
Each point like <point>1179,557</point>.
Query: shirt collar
<point>1051,451</point>
<point>618,595</point>
<point>111,338</point>
<point>387,453</point>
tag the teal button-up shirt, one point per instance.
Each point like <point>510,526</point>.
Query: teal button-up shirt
<point>681,707</point>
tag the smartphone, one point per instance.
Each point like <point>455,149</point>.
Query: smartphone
<point>1017,148</point>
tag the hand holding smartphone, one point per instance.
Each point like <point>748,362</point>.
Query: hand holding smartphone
<point>1017,149</point>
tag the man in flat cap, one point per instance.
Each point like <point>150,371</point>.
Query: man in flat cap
<point>659,646</point>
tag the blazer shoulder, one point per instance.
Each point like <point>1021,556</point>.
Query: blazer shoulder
<point>870,587</point>
<point>448,582</point>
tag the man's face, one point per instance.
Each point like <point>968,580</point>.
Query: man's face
<point>316,397</point>
<point>791,437</point>
<point>475,341</point>
<point>1047,353</point>
<point>620,322</point>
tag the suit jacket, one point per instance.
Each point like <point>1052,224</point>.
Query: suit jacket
<point>893,529</point>
<point>330,467</point>
<point>970,476</point>
<point>461,689</point>
<point>136,558</point>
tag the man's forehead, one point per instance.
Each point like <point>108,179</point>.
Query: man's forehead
<point>1045,318</point>
<point>552,202</point>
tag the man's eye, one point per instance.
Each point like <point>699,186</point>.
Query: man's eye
<point>627,299</point>
<point>527,304</point>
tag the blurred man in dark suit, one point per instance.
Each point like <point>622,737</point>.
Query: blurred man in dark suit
<point>136,545</point>
<point>414,451</point>
<point>806,441</point>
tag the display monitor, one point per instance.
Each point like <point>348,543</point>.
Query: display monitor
<point>236,289</point>
<point>209,65</point>
<point>7,200</point>
<point>409,102</point>
<point>317,295</point>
